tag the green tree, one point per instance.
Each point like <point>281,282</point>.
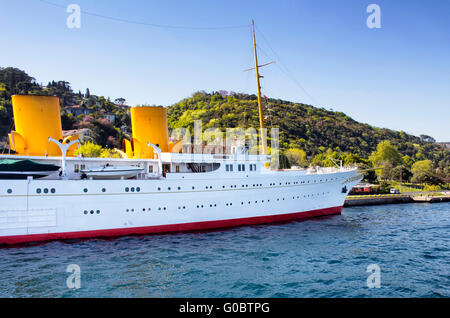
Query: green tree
<point>89,149</point>
<point>296,157</point>
<point>386,155</point>
<point>423,172</point>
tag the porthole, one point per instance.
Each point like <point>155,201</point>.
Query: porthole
<point>159,189</point>
<point>45,190</point>
<point>9,191</point>
<point>103,190</point>
<point>132,189</point>
<point>98,211</point>
<point>138,189</point>
<point>52,190</point>
<point>128,210</point>
<point>143,209</point>
<point>164,208</point>
<point>38,190</point>
<point>168,188</point>
<point>85,212</point>
<point>132,210</point>
<point>127,189</point>
<point>85,190</point>
<point>179,188</point>
<point>92,211</point>
<point>193,188</point>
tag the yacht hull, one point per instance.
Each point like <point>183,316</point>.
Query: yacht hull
<point>41,210</point>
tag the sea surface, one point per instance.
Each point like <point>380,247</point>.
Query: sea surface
<point>321,257</point>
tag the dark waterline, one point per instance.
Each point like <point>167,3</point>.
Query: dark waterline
<point>325,257</point>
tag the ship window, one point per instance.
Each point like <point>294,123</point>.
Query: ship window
<point>9,191</point>
<point>38,190</point>
<point>45,190</point>
<point>177,169</point>
<point>52,190</point>
<point>76,168</point>
<point>103,190</point>
<point>203,168</point>
<point>85,190</point>
<point>150,169</point>
<point>83,167</point>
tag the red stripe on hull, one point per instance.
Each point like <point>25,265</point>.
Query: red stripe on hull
<point>183,227</point>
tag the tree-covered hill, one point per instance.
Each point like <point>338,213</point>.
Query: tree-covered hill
<point>301,126</point>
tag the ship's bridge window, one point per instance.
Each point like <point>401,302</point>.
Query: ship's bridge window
<point>229,168</point>
<point>76,168</point>
<point>177,169</point>
<point>252,167</point>
<point>241,167</point>
<point>150,169</point>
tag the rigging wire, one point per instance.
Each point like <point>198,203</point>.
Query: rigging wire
<point>163,26</point>
<point>283,67</point>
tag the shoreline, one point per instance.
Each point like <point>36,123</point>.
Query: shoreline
<point>379,199</point>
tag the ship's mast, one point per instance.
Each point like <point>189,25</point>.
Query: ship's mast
<point>261,122</point>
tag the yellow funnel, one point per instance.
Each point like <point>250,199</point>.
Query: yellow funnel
<point>36,118</point>
<point>149,124</point>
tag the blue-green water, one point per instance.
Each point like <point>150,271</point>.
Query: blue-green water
<point>325,257</point>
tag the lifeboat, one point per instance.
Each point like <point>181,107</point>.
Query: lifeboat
<point>111,172</point>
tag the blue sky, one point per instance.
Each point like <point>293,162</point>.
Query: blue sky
<point>396,77</point>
